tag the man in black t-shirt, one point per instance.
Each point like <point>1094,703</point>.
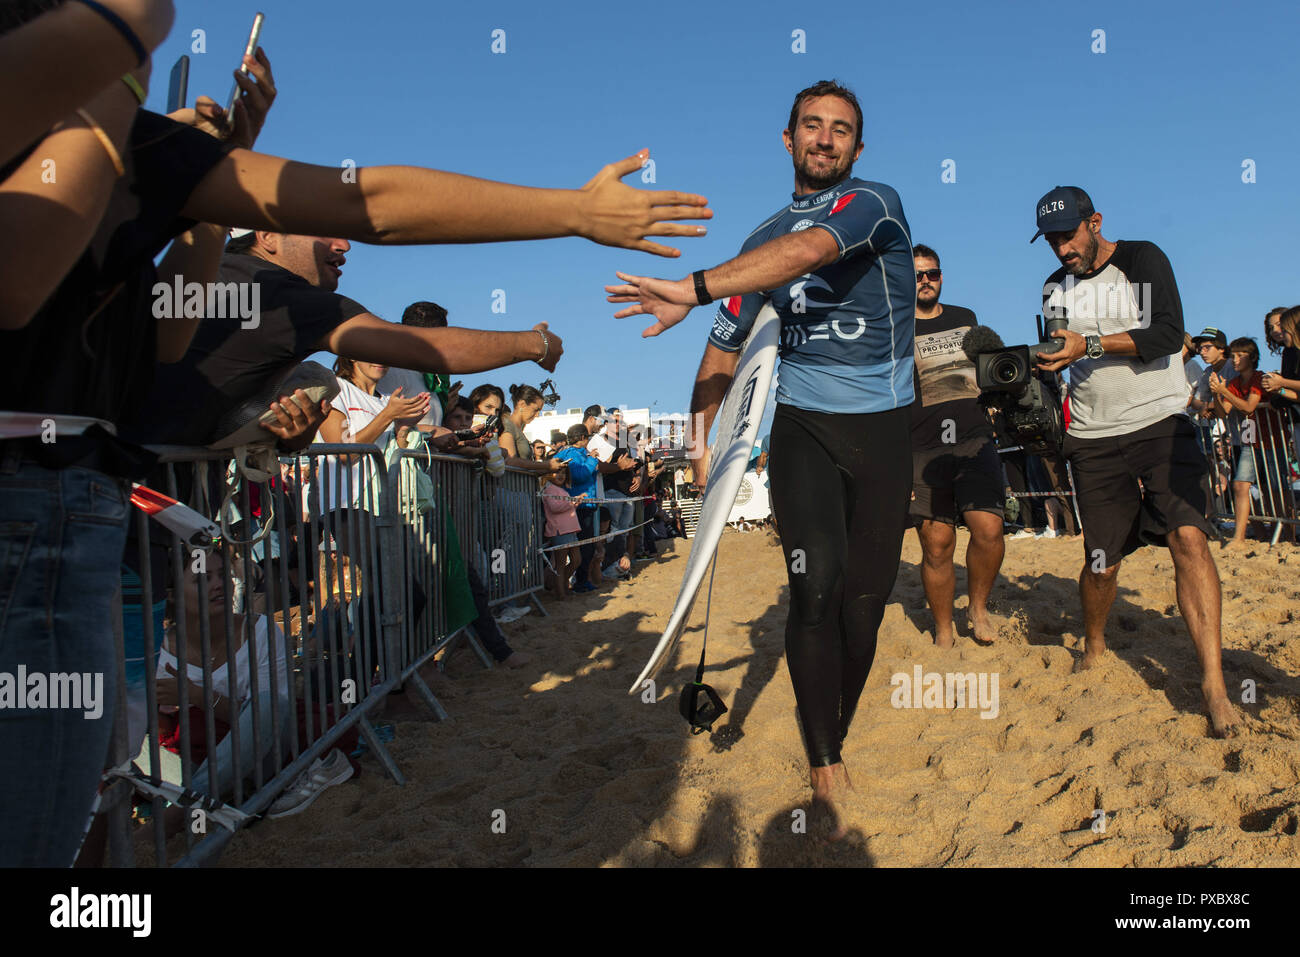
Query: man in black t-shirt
<point>299,313</point>
<point>955,467</point>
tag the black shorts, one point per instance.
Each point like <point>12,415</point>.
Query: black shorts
<point>947,482</point>
<point>1118,516</point>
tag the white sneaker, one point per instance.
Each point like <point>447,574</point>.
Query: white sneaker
<point>1048,533</point>
<point>323,773</point>
<point>511,613</point>
<point>1024,533</point>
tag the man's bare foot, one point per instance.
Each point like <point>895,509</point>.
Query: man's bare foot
<point>834,801</point>
<point>943,637</point>
<point>1092,658</point>
<point>981,627</point>
<point>517,659</point>
<point>1225,722</point>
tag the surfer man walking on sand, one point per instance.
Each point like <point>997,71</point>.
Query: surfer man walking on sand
<point>836,264</point>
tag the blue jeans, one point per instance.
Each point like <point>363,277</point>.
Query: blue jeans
<point>620,519</point>
<point>61,538</point>
<point>587,527</point>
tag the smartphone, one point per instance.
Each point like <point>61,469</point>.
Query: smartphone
<point>254,36</point>
<point>179,85</point>
<point>489,423</point>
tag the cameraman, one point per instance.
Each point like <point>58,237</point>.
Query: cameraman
<point>956,474</point>
<point>1127,391</point>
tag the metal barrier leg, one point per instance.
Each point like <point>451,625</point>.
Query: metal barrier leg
<point>116,799</point>
<point>474,642</point>
<point>422,690</point>
<point>538,602</point>
<point>368,732</point>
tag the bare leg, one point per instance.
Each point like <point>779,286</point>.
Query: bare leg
<point>1199,600</point>
<point>1097,593</point>
<point>1241,504</point>
<point>938,543</point>
<point>1053,509</point>
<point>835,803</point>
<point>984,556</point>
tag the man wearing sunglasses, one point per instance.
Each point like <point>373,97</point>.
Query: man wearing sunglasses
<point>956,474</point>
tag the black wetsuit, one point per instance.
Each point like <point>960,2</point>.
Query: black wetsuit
<point>840,489</point>
<point>840,457</point>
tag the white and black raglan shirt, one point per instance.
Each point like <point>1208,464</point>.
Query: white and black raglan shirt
<point>1133,292</point>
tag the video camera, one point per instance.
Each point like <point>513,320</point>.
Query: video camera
<point>1026,402</point>
<point>549,398</point>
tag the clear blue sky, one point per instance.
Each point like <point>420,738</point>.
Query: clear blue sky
<point>1156,128</point>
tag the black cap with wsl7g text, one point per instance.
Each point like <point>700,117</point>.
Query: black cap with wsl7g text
<point>1061,210</point>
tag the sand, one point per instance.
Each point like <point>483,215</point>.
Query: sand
<point>555,765</point>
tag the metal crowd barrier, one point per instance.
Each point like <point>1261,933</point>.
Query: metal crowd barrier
<point>1272,449</point>
<point>452,511</point>
<point>278,645</point>
<point>1070,494</point>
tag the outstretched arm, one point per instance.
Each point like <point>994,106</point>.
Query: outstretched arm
<point>770,265</point>
<point>450,349</point>
<point>394,205</point>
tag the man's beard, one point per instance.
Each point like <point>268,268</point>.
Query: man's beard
<point>927,300</point>
<point>821,180</point>
<point>1087,259</point>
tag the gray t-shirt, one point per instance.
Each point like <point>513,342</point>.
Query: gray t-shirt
<point>1133,292</point>
<point>522,442</point>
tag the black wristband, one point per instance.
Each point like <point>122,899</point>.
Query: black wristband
<point>701,291</point>
<point>121,26</point>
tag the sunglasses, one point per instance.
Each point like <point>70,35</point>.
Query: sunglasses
<point>931,274</point>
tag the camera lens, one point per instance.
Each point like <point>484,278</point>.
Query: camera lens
<point>1005,370</point>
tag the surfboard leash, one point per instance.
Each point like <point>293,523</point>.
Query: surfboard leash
<point>701,714</point>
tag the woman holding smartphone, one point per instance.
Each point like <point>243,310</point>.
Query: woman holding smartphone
<point>349,488</point>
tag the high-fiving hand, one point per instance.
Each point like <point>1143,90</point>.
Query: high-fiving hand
<point>667,300</point>
<point>614,214</point>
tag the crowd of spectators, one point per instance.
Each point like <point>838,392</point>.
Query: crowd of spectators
<point>1248,426</point>
<point>109,363</point>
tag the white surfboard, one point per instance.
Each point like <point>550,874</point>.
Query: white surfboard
<point>738,423</point>
<point>753,504</point>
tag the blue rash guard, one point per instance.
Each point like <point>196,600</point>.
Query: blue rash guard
<point>846,329</point>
